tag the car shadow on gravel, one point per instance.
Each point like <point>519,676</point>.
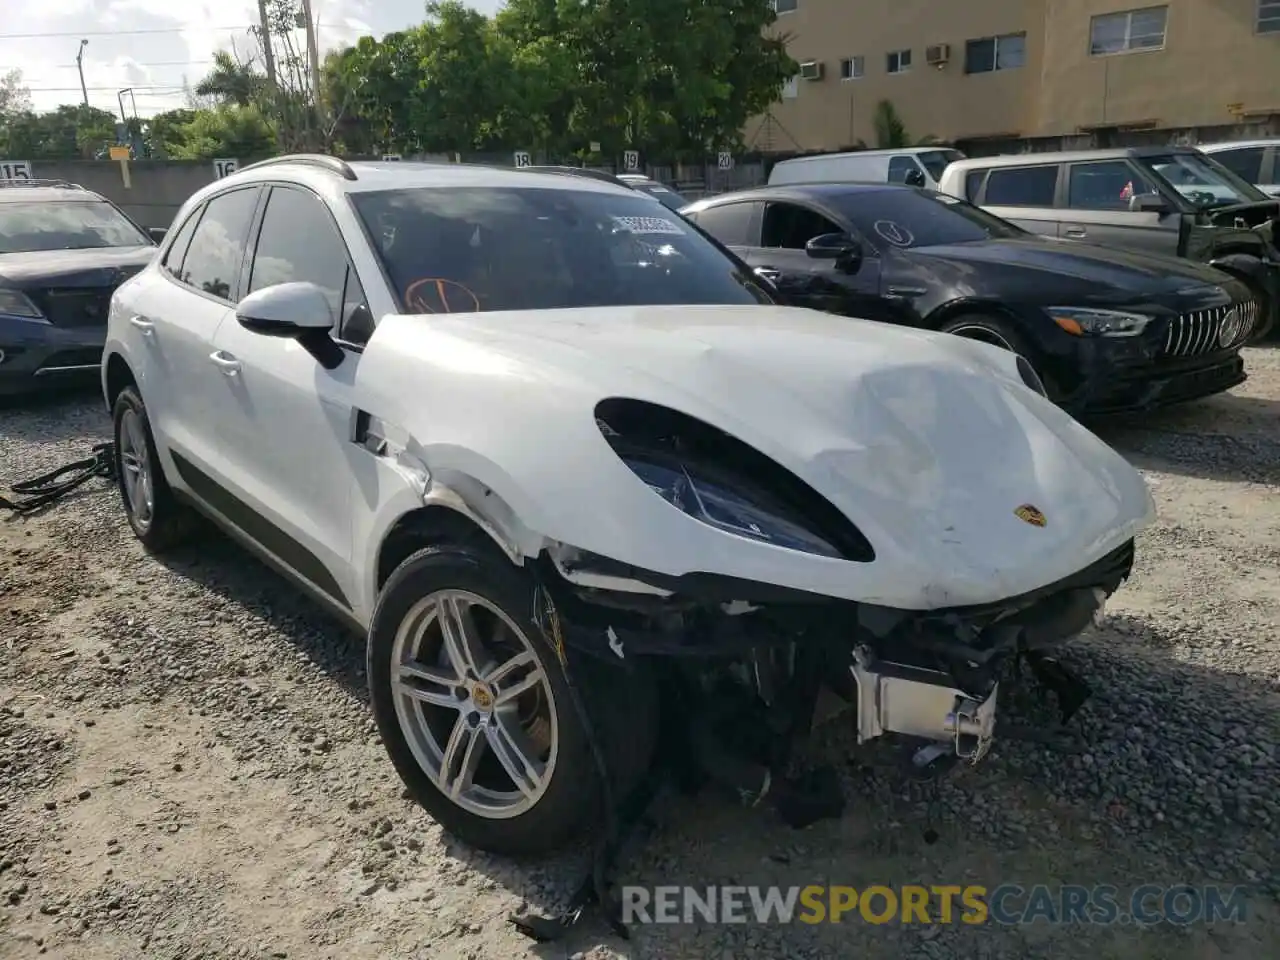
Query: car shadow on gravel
<point>1228,437</point>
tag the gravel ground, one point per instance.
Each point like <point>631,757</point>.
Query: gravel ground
<point>188,769</point>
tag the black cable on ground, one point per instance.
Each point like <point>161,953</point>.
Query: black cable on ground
<point>39,492</point>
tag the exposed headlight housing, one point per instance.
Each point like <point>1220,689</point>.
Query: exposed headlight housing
<point>15,303</point>
<point>726,484</point>
<point>1087,321</point>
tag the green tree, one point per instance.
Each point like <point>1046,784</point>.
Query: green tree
<point>67,133</point>
<point>225,131</point>
<point>891,132</point>
<point>15,98</point>
<point>231,81</point>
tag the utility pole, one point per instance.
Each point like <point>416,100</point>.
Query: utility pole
<point>84,91</point>
<point>313,49</point>
<point>268,54</point>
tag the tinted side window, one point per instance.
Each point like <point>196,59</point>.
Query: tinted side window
<point>791,226</point>
<point>973,183</point>
<point>213,260</point>
<point>899,167</point>
<point>300,241</point>
<point>1021,186</point>
<point>731,224</point>
<point>182,240</point>
<point>1105,185</point>
<point>1244,162</point>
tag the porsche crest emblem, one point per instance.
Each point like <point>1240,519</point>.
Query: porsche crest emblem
<point>1029,513</point>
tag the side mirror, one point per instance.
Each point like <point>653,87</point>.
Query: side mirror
<point>840,247</point>
<point>1147,203</point>
<point>915,178</point>
<point>299,310</point>
<point>157,233</point>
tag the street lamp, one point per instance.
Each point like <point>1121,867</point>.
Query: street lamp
<point>84,91</point>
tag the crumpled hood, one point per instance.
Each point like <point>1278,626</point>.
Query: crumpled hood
<point>91,266</point>
<point>928,442</point>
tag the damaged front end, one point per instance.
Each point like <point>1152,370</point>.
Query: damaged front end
<point>786,658</point>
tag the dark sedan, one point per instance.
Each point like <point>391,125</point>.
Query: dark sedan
<point>1107,330</point>
<point>63,252</point>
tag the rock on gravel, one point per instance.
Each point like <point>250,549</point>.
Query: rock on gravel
<point>188,767</point>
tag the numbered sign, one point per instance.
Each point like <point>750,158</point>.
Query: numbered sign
<point>631,159</point>
<point>595,146</point>
<point>224,168</point>
<point>391,156</point>
<point>15,169</point>
<point>523,159</point>
<point>725,160</point>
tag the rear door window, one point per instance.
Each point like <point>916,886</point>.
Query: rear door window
<point>973,184</point>
<point>1244,162</point>
<point>1022,186</point>
<point>213,261</point>
<point>733,224</point>
<point>182,240</point>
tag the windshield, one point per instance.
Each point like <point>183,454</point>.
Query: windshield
<point>30,226</point>
<point>935,161</point>
<point>1202,180</point>
<point>919,218</point>
<point>466,250</point>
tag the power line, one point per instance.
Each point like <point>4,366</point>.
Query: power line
<point>145,63</point>
<point>117,33</point>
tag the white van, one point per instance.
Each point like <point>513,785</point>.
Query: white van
<point>1255,161</point>
<point>918,166</point>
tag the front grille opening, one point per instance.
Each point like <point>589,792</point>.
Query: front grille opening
<point>75,306</point>
<point>1199,332</point>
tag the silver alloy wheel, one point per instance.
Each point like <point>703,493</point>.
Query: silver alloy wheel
<point>474,704</point>
<point>135,464</point>
<point>985,335</point>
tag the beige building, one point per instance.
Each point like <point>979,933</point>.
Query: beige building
<point>961,70</point>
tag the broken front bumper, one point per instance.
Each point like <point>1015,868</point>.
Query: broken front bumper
<point>915,702</point>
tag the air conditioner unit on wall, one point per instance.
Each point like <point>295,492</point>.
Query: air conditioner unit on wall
<point>938,55</point>
<point>811,70</point>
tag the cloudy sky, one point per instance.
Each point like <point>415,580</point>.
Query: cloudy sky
<point>151,45</point>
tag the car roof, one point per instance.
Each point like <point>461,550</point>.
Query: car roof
<point>17,191</point>
<point>878,152</point>
<point>1232,144</point>
<point>333,177</point>
<point>802,191</point>
<point>1066,156</point>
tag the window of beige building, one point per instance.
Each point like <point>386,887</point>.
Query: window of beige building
<point>986,54</point>
<point>1128,30</point>
<point>785,6</point>
<point>852,68</point>
<point>1269,16</point>
<point>899,61</point>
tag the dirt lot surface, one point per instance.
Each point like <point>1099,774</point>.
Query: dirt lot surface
<point>188,768</point>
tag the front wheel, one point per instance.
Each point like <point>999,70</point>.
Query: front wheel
<point>1000,333</point>
<point>473,705</point>
<point>154,514</point>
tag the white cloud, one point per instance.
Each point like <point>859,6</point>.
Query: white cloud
<point>152,45</point>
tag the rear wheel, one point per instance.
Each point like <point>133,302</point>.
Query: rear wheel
<point>1000,333</point>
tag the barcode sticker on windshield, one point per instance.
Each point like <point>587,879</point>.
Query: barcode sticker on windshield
<point>648,226</point>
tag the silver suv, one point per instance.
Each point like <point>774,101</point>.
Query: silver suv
<point>1170,200</point>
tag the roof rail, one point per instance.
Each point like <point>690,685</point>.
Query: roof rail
<point>323,160</point>
<point>64,184</point>
<point>584,172</point>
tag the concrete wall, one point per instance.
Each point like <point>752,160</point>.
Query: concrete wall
<point>156,188</point>
<point>1214,69</point>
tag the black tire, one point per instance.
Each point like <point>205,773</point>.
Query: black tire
<point>1001,333</point>
<point>622,707</point>
<point>171,523</point>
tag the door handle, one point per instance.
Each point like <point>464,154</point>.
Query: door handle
<point>225,362</point>
<point>1075,233</point>
<point>772,274</point>
<point>147,327</point>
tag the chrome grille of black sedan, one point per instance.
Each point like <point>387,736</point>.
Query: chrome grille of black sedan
<point>1199,332</point>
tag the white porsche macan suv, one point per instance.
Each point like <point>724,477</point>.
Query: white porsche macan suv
<point>571,467</point>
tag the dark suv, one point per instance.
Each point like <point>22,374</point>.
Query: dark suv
<point>1174,201</point>
<point>63,252</point>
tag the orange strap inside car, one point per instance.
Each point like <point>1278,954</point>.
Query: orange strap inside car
<point>438,295</point>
